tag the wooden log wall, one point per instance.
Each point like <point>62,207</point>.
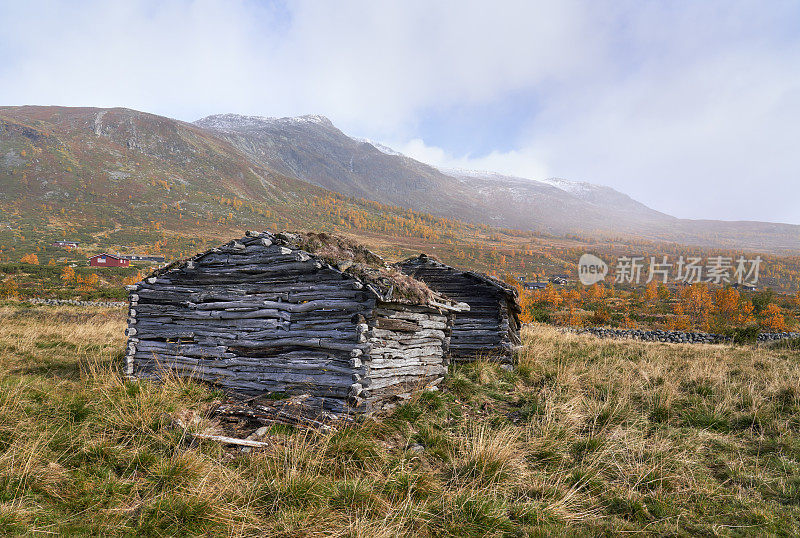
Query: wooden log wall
<point>490,329</point>
<point>254,316</point>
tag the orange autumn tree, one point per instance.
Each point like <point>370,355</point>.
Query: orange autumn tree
<point>773,319</point>
<point>573,319</point>
<point>549,296</point>
<point>663,292</point>
<point>730,310</point>
<point>526,305</point>
<point>8,288</point>
<point>745,316</point>
<point>680,321</point>
<point>570,298</point>
<point>133,279</point>
<point>527,300</point>
<point>697,303</point>
<point>651,292</point>
<point>32,259</point>
<point>87,283</point>
<point>68,274</point>
<point>596,292</point>
<point>627,322</point>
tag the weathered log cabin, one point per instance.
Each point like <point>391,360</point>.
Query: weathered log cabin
<point>490,329</point>
<point>292,313</point>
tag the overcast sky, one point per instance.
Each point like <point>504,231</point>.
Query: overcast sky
<point>690,107</point>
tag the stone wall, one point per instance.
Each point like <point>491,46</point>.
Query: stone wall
<point>677,337</point>
<point>73,302</point>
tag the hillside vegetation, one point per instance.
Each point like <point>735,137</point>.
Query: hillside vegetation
<point>129,182</point>
<point>585,437</point>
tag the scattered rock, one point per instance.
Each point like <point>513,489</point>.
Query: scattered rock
<point>259,433</point>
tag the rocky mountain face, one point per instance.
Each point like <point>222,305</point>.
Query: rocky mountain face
<point>313,149</point>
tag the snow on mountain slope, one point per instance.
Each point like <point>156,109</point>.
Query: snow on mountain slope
<point>518,186</point>
<point>235,122</point>
<point>380,147</point>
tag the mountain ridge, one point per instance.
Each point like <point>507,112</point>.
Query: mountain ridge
<point>122,166</point>
<point>554,205</point>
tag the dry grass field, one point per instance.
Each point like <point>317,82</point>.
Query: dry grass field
<point>586,437</point>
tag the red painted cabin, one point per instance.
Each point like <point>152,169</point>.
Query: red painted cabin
<point>108,260</point>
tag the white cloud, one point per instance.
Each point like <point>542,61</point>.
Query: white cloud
<point>366,64</point>
<point>523,163</point>
<point>690,107</point>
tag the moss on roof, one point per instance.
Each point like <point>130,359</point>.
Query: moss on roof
<point>360,262</point>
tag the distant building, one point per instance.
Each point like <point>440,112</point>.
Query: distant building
<point>66,244</point>
<point>109,260</point>
<point>744,287</point>
<point>559,280</point>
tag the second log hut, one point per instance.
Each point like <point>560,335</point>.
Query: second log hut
<point>292,313</point>
<point>490,329</point>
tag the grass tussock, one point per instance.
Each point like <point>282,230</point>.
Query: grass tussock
<point>586,436</point>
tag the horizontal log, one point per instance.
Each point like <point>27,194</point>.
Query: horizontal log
<point>410,313</point>
<point>386,383</point>
<point>387,364</point>
<point>475,333</point>
<point>324,380</point>
<point>423,333</point>
<point>385,353</point>
<point>322,304</point>
<point>391,324</point>
<point>316,343</point>
<point>409,344</point>
<point>184,349</point>
<point>407,369</point>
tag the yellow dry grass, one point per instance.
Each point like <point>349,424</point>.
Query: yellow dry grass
<point>586,437</point>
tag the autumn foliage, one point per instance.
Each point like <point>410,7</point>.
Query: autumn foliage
<point>87,283</point>
<point>773,319</point>
<point>696,307</point>
<point>32,259</point>
<point>68,274</point>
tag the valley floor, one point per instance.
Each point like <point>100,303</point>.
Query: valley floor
<point>586,437</point>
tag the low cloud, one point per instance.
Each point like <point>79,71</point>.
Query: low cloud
<point>513,163</point>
